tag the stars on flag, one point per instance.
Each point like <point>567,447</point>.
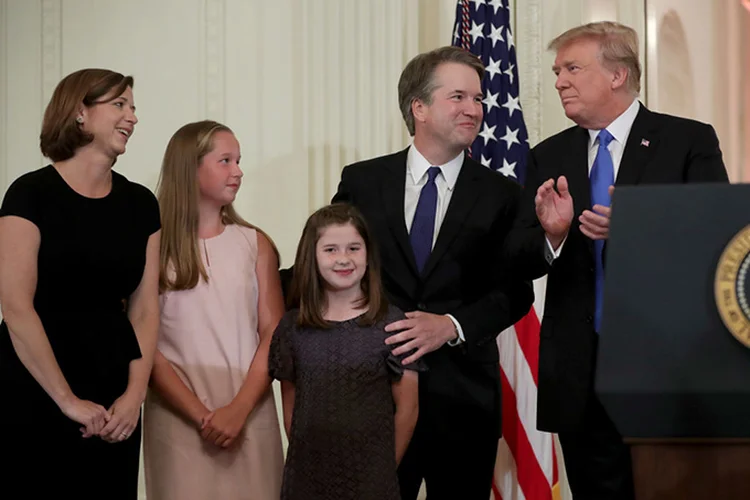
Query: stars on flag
<point>502,144</point>
<point>496,35</point>
<point>510,137</point>
<point>477,31</point>
<point>488,133</point>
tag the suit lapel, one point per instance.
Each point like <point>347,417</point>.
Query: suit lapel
<point>465,195</point>
<point>392,190</point>
<point>576,169</point>
<point>639,149</point>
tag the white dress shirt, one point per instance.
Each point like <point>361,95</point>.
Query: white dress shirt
<point>620,130</point>
<point>416,177</point>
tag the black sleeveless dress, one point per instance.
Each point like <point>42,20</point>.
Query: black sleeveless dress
<point>91,258</point>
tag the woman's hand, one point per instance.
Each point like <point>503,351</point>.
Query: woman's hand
<point>92,416</point>
<point>124,414</point>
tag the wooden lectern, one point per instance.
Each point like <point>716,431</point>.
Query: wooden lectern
<point>673,368</point>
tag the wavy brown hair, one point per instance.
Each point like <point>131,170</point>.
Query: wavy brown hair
<point>61,135</point>
<point>180,261</point>
<point>308,288</point>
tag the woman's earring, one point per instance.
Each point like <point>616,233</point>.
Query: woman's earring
<point>79,119</point>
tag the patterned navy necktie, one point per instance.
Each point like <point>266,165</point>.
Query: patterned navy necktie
<point>423,224</point>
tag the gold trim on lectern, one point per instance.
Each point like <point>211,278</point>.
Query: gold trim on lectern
<point>730,286</point>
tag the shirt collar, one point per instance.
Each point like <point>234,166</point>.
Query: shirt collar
<point>620,127</point>
<point>417,165</point>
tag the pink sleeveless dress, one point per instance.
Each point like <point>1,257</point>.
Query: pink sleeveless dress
<point>210,334</point>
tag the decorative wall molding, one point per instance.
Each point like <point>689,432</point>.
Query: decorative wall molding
<point>3,96</point>
<point>51,47</point>
<point>675,84</point>
<point>215,24</point>
<point>530,47</point>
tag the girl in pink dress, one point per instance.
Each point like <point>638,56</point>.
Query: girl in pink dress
<point>210,425</point>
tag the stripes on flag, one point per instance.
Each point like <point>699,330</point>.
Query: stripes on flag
<point>526,466</point>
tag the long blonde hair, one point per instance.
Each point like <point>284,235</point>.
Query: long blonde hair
<point>180,262</point>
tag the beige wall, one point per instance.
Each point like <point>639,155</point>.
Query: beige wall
<point>310,85</point>
<point>307,86</point>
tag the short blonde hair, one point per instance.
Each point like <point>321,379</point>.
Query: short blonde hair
<point>618,47</point>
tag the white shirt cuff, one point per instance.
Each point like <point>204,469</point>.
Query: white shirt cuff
<point>551,254</point>
<point>461,339</point>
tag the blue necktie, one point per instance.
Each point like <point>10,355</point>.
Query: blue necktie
<point>602,176</point>
<point>423,224</point>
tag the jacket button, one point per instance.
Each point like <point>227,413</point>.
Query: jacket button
<point>589,319</point>
<point>421,306</point>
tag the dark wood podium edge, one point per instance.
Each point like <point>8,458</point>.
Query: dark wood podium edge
<point>690,468</point>
<point>673,441</point>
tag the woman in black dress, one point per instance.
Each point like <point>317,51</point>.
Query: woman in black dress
<point>79,251</point>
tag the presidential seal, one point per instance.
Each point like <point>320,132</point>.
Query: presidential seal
<point>732,284</point>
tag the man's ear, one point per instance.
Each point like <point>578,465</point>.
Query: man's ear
<point>419,110</point>
<point>619,77</point>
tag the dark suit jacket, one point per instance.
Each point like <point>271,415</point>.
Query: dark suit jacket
<point>286,282</point>
<point>677,151</point>
<point>465,276</point>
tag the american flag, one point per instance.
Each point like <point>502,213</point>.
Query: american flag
<point>526,466</point>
